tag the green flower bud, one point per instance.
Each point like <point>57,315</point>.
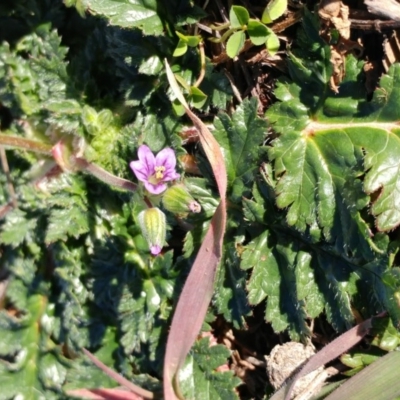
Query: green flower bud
<point>178,200</point>
<point>153,225</point>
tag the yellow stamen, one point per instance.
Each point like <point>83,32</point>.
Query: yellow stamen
<point>159,172</point>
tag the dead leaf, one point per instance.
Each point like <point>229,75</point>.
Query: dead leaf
<point>336,13</point>
<point>389,9</point>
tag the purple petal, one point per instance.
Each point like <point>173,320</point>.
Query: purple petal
<point>147,158</point>
<point>155,189</point>
<point>170,176</point>
<point>155,249</point>
<point>166,157</point>
<point>140,170</point>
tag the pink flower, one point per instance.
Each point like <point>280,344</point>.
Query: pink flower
<point>154,171</point>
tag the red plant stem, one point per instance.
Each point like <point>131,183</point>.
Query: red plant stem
<point>146,394</point>
<point>103,175</point>
<point>81,163</point>
<point>26,144</point>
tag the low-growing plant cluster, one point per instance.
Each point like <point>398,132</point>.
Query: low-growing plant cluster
<point>158,214</point>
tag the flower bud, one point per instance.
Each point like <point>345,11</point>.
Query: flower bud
<point>178,200</point>
<point>153,225</point>
<point>62,155</point>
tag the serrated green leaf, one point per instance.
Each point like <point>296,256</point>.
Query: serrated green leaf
<point>16,228</point>
<point>37,80</point>
<point>230,298</point>
<point>324,162</point>
<point>216,86</point>
<point>148,129</point>
<point>240,138</point>
<point>65,223</point>
<point>297,280</point>
<point>345,150</point>
<point>141,300</point>
<point>235,44</point>
<point>253,211</point>
<point>198,378</point>
<point>52,373</point>
<point>28,368</point>
<point>274,10</point>
<point>238,17</point>
<point>307,285</point>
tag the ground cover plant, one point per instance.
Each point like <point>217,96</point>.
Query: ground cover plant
<point>187,185</point>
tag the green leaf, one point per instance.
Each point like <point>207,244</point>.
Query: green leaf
<point>78,4</point>
<point>274,10</point>
<point>203,194</point>
<point>181,48</point>
<point>230,294</point>
<point>325,161</point>
<point>191,41</point>
<point>37,80</point>
<point>16,228</point>
<point>235,44</point>
<point>178,108</point>
<point>238,17</point>
<point>155,133</point>
<point>197,97</point>
<point>359,358</point>
<point>216,86</point>
<point>71,222</point>
<point>240,138</point>
<point>386,336</point>
<point>273,278</point>
<point>198,378</point>
<point>258,32</point>
<point>141,301</point>
<point>335,150</point>
<point>272,43</point>
<point>130,14</point>
<point>29,362</point>
<point>70,216</point>
<point>382,381</point>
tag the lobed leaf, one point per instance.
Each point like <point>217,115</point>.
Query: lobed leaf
<point>239,138</point>
<point>198,377</point>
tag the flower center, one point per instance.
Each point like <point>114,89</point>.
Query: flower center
<point>158,175</point>
<point>159,172</point>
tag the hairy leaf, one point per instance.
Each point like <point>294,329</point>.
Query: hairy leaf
<point>198,377</point>
<point>240,137</point>
<point>322,164</point>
